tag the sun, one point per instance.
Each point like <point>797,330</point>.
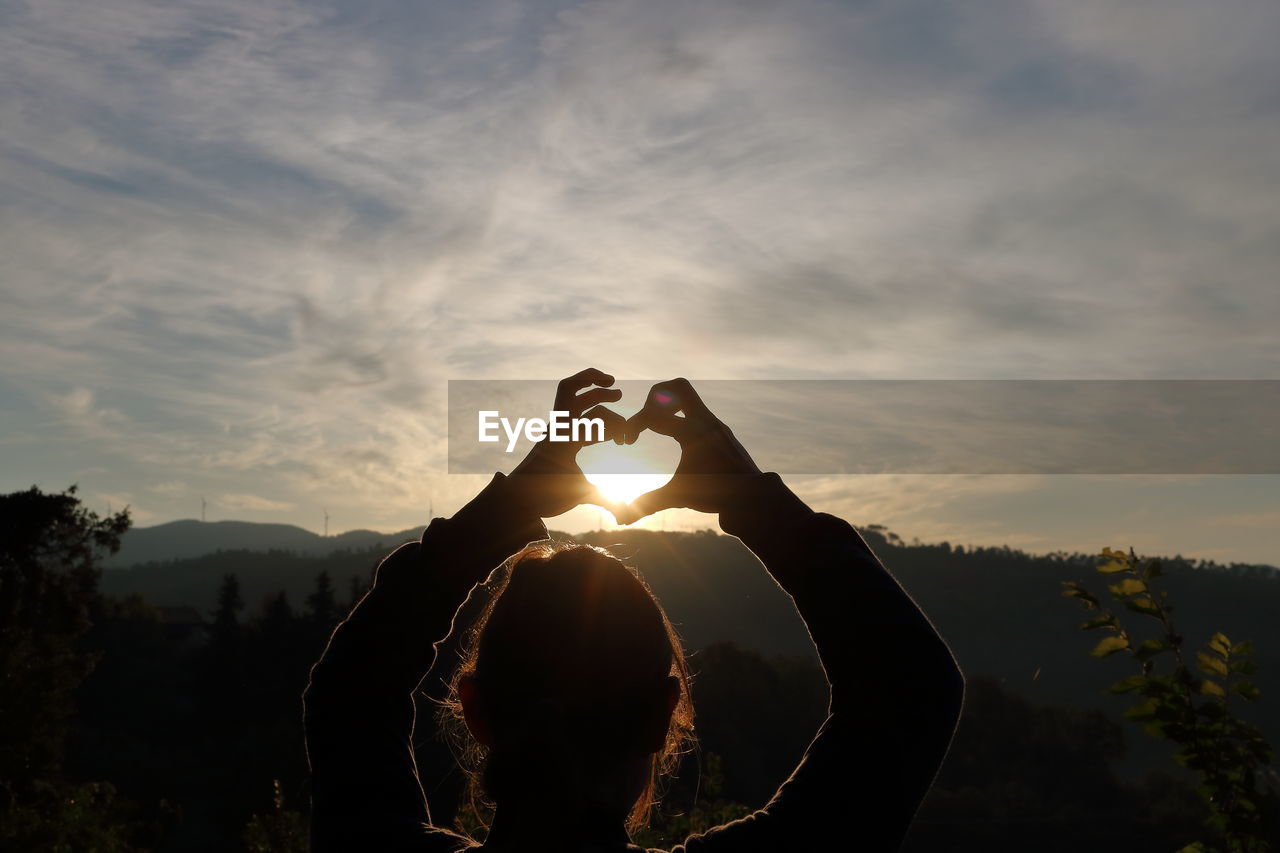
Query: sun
<point>624,473</point>
<point>624,488</point>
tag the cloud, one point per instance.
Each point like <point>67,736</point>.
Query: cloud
<point>253,503</point>
<point>1268,519</point>
<point>79,408</point>
<point>268,233</point>
<point>106,502</point>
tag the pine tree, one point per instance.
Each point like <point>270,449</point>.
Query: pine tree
<point>355,593</point>
<point>226,619</point>
<point>322,607</point>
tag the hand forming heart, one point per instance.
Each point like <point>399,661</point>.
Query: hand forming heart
<point>549,479</point>
<point>712,461</point>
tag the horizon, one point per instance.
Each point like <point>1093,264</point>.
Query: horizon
<point>709,527</point>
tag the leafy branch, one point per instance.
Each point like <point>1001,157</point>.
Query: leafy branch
<point>1190,709</point>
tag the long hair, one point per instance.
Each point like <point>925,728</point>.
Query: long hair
<point>568,657</point>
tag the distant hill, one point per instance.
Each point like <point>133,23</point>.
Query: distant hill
<point>1000,609</point>
<point>180,540</point>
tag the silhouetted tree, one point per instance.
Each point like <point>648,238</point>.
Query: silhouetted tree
<point>322,607</point>
<point>226,619</point>
<point>277,619</point>
<point>354,593</point>
<point>50,545</point>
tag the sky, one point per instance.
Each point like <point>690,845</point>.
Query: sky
<point>245,245</point>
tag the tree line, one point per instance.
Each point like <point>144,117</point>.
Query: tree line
<point>129,726</point>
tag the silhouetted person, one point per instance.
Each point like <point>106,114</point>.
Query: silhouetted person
<point>574,686</point>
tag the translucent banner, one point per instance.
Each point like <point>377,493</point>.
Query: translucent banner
<point>918,426</point>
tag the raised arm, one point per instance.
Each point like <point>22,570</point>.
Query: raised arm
<point>358,707</point>
<point>895,688</point>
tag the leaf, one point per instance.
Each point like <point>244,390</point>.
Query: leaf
<point>1150,648</point>
<point>1127,587</point>
<point>1127,685</point>
<point>1247,690</point>
<point>1220,644</point>
<point>1210,664</point>
<point>1155,569</point>
<point>1243,667</point>
<point>1072,589</point>
<point>1143,711</point>
<point>1211,711</point>
<point>1108,621</point>
<point>1113,567</point>
<point>1209,687</point>
<point>1145,606</point>
<point>1110,645</point>
<point>1242,648</point>
<point>1154,728</point>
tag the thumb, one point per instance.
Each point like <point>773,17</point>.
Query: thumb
<point>666,496</point>
<point>594,496</point>
<point>621,512</point>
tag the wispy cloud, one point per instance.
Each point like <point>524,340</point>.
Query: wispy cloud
<point>264,234</point>
<point>252,503</point>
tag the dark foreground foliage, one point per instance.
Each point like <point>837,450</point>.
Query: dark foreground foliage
<point>171,728</point>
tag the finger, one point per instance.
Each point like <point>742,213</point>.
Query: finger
<point>662,402</point>
<point>621,512</point>
<point>567,388</point>
<point>636,424</point>
<point>594,496</point>
<point>587,399</point>
<point>678,395</point>
<point>615,425</point>
<point>663,497</point>
<point>667,423</point>
<point>624,514</point>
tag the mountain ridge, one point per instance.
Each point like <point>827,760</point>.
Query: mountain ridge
<point>189,538</point>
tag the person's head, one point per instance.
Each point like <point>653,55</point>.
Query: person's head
<point>573,679</point>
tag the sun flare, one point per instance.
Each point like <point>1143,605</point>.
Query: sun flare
<point>625,488</point>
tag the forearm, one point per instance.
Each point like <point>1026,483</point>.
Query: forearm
<point>842,591</point>
<point>895,687</point>
<point>386,643</point>
<point>358,707</point>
